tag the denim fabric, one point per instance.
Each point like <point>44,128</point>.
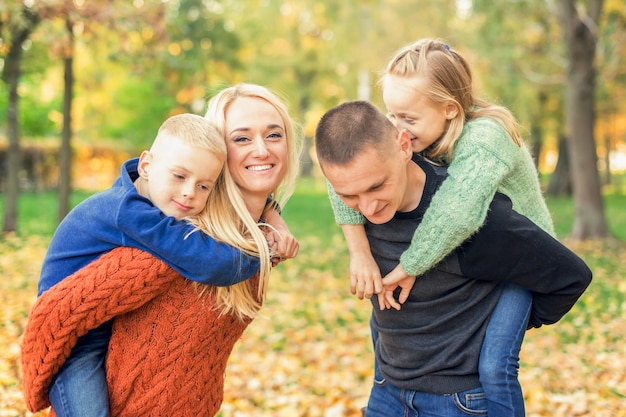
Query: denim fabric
<point>80,387</point>
<point>390,401</point>
<point>499,357</point>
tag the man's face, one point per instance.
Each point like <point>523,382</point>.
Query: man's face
<point>373,184</point>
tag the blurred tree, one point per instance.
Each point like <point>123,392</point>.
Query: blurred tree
<point>17,22</point>
<point>580,35</point>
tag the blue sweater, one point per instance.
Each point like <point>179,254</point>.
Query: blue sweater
<point>119,216</point>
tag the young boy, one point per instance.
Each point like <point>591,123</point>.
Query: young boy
<point>427,352</point>
<point>143,209</point>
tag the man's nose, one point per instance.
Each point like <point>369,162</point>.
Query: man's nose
<point>367,206</point>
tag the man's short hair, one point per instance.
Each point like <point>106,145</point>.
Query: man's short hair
<point>348,129</point>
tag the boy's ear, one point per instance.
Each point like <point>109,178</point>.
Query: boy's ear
<point>143,168</point>
<point>451,111</point>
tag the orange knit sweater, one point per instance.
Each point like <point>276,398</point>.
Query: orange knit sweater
<point>169,348</point>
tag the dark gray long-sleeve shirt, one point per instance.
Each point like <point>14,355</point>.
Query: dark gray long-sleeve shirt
<point>433,343</point>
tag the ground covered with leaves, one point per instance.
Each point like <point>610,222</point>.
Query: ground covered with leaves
<point>309,354</point>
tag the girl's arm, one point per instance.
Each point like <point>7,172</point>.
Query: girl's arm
<point>119,281</point>
<point>365,278</point>
<point>458,209</point>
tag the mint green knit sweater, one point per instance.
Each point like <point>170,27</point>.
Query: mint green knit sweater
<point>485,160</point>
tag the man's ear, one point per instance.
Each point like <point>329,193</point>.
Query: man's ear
<point>451,111</point>
<point>404,140</point>
<point>143,168</point>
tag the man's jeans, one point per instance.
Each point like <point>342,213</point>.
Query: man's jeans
<point>389,401</point>
<point>80,387</point>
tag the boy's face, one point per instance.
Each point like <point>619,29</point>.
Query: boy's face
<point>180,177</point>
<point>373,184</point>
<point>256,141</point>
<point>414,112</point>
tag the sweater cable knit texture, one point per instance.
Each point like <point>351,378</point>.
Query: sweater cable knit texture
<point>169,348</point>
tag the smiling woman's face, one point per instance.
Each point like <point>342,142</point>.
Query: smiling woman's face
<point>257,145</point>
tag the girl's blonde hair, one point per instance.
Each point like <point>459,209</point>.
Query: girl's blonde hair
<point>226,216</point>
<point>449,80</point>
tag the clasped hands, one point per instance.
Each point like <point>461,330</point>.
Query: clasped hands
<point>365,281</point>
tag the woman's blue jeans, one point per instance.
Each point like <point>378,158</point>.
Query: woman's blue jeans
<point>499,357</point>
<point>80,387</point>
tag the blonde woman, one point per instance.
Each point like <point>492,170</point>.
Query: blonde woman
<point>172,337</point>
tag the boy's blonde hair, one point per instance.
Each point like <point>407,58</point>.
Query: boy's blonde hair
<point>193,130</point>
<point>226,216</point>
<point>449,79</point>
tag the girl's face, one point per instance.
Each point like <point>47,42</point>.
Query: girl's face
<point>423,119</point>
<point>257,146</point>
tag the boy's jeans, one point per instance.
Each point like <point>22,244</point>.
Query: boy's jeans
<point>499,357</point>
<point>80,387</point>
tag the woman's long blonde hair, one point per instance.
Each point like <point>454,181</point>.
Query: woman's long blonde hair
<point>226,216</point>
<point>449,79</point>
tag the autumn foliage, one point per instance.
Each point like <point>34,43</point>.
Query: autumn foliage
<point>309,354</point>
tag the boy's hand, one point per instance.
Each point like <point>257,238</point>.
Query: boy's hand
<point>365,279</point>
<point>282,243</point>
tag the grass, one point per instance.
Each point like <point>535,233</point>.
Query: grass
<point>308,212</point>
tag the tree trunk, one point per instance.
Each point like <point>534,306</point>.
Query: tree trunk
<point>65,153</point>
<point>580,41</point>
<point>13,68</point>
<point>560,180</point>
<point>14,157</point>
<point>306,162</point>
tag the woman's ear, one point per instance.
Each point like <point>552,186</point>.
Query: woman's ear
<point>143,168</point>
<point>451,111</point>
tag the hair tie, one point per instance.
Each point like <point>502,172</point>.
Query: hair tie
<point>447,47</point>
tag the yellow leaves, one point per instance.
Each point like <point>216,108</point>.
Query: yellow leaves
<point>309,353</point>
<point>20,263</point>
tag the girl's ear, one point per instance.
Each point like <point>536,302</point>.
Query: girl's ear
<point>143,168</point>
<point>451,111</point>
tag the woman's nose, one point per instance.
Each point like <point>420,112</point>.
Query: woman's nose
<point>260,148</point>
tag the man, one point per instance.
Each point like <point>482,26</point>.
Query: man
<point>427,352</point>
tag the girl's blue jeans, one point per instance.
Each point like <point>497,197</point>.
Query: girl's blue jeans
<point>80,387</point>
<point>499,357</point>
<point>501,393</point>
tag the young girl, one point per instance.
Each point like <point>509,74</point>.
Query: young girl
<point>427,89</point>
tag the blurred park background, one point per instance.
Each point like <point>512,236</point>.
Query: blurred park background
<point>86,84</point>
